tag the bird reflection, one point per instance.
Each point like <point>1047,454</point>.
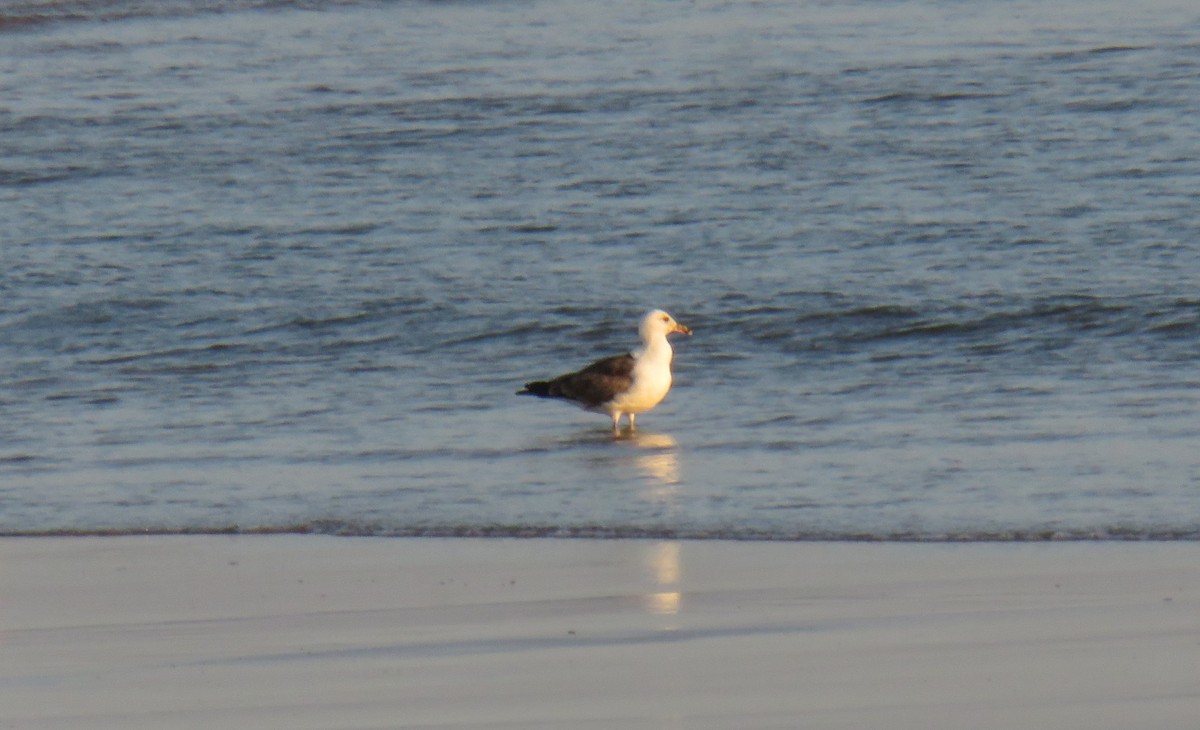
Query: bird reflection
<point>663,604</point>
<point>661,561</point>
<point>660,463</point>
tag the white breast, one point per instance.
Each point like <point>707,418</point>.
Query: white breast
<point>651,381</point>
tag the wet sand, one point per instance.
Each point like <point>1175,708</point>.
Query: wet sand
<point>320,632</point>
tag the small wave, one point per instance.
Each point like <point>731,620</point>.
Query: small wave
<point>313,323</point>
<point>987,326</point>
<point>80,319</point>
<point>1110,50</point>
<point>32,13</point>
<point>1108,106</point>
<point>176,354</point>
<point>11,22</point>
<point>49,174</point>
<point>523,331</point>
<point>17,458</point>
<point>913,97</point>
<point>1081,312</point>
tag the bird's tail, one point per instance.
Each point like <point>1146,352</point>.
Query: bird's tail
<point>540,388</point>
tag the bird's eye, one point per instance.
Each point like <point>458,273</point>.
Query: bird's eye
<point>666,318</point>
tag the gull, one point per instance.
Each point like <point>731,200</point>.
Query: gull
<point>621,385</point>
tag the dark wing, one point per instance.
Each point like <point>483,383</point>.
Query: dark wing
<point>596,384</point>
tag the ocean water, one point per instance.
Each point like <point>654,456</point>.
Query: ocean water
<point>281,266</point>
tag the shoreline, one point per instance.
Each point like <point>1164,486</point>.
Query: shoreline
<point>310,631</point>
<point>603,534</point>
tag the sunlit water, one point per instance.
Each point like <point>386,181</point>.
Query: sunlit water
<point>283,265</point>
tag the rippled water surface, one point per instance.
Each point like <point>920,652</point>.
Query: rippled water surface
<point>282,265</point>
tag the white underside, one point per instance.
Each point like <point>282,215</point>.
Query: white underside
<point>648,390</point>
<point>651,381</point>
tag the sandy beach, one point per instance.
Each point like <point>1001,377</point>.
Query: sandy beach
<point>321,632</point>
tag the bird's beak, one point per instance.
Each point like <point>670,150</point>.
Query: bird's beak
<point>681,329</point>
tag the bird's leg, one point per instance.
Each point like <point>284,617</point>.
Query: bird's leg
<point>632,427</point>
<point>616,418</point>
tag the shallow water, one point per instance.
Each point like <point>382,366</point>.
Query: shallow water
<point>282,266</point>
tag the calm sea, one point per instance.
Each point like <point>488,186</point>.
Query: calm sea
<point>280,265</point>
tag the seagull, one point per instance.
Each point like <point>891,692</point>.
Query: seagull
<point>621,385</point>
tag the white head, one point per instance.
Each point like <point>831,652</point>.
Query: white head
<point>657,323</point>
